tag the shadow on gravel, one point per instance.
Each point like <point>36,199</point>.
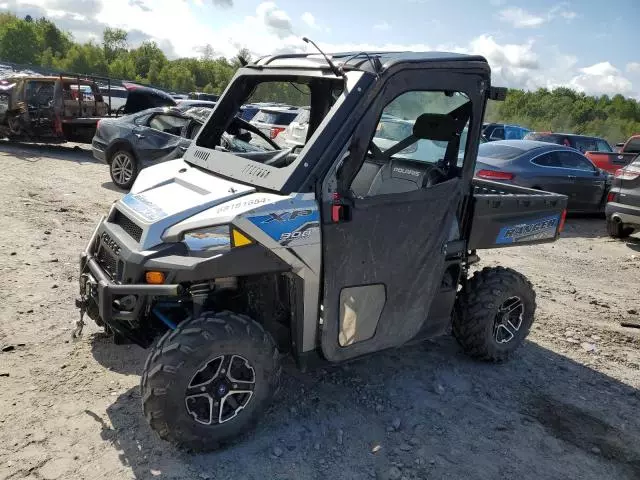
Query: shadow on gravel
<point>112,187</point>
<point>584,226</point>
<point>633,243</point>
<point>421,412</point>
<point>32,152</point>
<point>124,359</point>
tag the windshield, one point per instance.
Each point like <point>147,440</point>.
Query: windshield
<point>330,101</point>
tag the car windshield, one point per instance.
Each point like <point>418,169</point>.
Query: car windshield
<point>274,117</point>
<point>499,151</point>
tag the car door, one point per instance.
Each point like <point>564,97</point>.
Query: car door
<point>589,183</point>
<point>384,249</point>
<point>159,137</point>
<point>547,173</point>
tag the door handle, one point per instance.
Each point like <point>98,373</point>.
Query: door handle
<point>183,148</point>
<point>139,135</point>
<point>571,177</point>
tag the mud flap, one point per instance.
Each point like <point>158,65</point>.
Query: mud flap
<point>383,267</point>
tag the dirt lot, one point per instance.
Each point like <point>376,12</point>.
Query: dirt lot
<point>565,408</point>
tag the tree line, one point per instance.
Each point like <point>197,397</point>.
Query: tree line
<point>40,42</point>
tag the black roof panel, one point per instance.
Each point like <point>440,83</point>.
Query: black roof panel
<point>360,60</point>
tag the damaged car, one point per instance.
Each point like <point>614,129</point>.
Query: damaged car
<point>50,109</point>
<point>130,143</point>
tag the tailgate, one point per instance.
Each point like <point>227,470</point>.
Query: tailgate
<point>610,161</point>
<point>509,215</point>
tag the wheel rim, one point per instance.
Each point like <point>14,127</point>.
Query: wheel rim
<point>508,320</point>
<point>122,168</point>
<point>220,390</point>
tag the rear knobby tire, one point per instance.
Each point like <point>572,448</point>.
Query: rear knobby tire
<point>177,358</point>
<point>480,325</point>
<point>618,230</point>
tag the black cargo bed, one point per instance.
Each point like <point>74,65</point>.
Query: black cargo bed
<point>509,215</point>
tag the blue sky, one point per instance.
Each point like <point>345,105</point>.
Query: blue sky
<point>589,45</point>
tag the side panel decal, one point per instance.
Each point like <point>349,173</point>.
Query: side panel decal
<point>143,207</point>
<point>288,227</point>
<point>539,229</point>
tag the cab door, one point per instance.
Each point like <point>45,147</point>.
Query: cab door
<point>384,245</point>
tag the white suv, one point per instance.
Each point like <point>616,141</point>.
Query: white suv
<point>272,121</point>
<point>296,133</point>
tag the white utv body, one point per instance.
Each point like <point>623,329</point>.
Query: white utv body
<point>327,252</point>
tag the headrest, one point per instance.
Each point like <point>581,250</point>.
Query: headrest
<point>434,126</point>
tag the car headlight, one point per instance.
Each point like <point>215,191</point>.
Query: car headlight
<point>208,241</point>
<point>211,241</point>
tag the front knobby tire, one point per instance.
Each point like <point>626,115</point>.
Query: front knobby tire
<point>209,380</point>
<point>494,313</point>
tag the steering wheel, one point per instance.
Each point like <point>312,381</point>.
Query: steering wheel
<point>436,174</point>
<point>240,123</point>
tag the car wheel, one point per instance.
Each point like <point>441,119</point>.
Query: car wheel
<point>123,168</point>
<point>494,313</point>
<point>618,230</point>
<point>208,381</point>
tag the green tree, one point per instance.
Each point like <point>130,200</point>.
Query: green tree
<point>18,42</point>
<point>50,36</point>
<point>208,88</point>
<point>114,42</point>
<point>123,67</point>
<point>145,55</point>
<point>177,77</point>
<point>87,58</point>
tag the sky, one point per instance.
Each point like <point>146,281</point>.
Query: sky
<point>588,45</point>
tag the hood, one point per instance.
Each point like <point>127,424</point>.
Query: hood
<point>168,193</point>
<point>141,98</point>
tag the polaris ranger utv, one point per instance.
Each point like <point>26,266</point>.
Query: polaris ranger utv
<point>345,246</point>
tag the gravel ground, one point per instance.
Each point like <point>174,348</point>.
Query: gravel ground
<point>564,408</point>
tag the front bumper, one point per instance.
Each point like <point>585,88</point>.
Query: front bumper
<point>626,214</point>
<point>99,290</point>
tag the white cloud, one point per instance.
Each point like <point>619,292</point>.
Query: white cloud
<point>561,10</point>
<point>383,27</point>
<point>633,67</point>
<point>601,78</point>
<point>309,20</point>
<point>520,18</point>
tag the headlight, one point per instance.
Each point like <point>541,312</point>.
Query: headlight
<point>208,241</point>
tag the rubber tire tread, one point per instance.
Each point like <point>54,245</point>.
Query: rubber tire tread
<point>476,307</point>
<point>169,361</point>
<point>618,230</point>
